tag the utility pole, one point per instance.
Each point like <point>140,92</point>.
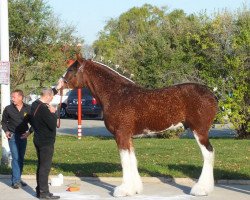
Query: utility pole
<point>4,73</point>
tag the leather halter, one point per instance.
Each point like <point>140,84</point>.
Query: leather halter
<point>79,69</point>
<point>59,108</point>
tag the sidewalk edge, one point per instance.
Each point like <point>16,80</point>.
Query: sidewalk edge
<point>144,179</point>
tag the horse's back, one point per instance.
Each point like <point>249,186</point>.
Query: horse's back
<point>197,95</point>
<point>174,100</point>
<point>186,94</point>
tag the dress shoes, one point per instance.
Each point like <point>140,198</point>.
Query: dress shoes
<point>38,194</point>
<point>48,196</point>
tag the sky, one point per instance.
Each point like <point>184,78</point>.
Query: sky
<point>90,16</point>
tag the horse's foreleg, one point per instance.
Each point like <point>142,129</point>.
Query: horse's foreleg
<point>131,183</point>
<point>135,174</point>
<point>205,183</point>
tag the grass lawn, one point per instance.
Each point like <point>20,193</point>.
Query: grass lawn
<point>96,156</point>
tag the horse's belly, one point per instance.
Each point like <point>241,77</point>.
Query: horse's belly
<point>151,130</point>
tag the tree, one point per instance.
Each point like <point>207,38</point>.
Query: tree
<point>221,51</point>
<point>238,102</point>
<point>36,40</point>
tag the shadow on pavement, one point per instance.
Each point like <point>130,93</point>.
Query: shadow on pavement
<point>27,188</point>
<point>194,172</point>
<point>101,184</point>
<point>237,188</point>
<point>185,189</point>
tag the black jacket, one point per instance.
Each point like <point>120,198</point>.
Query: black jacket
<point>16,121</point>
<point>43,123</point>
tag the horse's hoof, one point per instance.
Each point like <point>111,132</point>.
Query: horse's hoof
<point>123,190</point>
<point>138,188</point>
<point>200,190</point>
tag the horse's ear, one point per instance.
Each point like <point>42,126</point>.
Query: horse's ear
<point>70,62</point>
<point>79,57</point>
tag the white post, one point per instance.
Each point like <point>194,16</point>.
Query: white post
<point>5,89</point>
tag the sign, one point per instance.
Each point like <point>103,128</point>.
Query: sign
<point>4,73</point>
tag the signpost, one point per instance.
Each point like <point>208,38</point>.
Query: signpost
<point>4,73</point>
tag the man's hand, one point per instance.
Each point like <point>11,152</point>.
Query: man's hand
<point>25,135</point>
<point>51,109</point>
<point>8,134</point>
<point>60,84</point>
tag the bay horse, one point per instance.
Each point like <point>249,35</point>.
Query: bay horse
<point>129,110</point>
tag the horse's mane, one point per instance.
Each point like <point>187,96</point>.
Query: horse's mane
<point>112,70</point>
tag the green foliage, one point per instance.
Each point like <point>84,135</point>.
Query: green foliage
<point>171,134</point>
<point>36,42</point>
<point>161,48</point>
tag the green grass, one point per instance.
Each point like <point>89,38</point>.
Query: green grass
<point>95,156</point>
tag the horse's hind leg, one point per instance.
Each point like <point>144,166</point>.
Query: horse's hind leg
<point>131,183</point>
<point>205,183</point>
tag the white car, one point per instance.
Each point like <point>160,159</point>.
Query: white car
<point>56,102</point>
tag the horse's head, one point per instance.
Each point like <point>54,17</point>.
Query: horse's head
<point>73,78</point>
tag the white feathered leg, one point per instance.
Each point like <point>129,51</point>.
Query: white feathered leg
<point>138,187</point>
<point>131,183</point>
<point>205,183</point>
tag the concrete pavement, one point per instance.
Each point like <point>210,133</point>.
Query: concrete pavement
<point>102,189</point>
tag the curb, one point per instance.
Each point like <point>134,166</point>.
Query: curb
<point>144,179</point>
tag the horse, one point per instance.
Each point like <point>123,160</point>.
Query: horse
<point>130,109</point>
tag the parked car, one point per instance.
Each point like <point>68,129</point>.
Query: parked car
<point>56,101</point>
<point>90,106</point>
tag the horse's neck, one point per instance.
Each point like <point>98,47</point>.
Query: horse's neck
<point>103,83</point>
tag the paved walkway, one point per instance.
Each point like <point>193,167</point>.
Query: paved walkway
<point>154,189</point>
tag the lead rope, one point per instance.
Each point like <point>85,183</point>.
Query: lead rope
<point>59,108</point>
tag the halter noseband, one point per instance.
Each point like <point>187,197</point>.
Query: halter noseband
<point>79,69</point>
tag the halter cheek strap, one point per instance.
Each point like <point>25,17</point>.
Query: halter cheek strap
<point>81,67</point>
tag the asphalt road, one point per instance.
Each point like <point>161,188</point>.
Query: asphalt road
<point>91,127</point>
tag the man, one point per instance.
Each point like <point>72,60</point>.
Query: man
<point>44,122</point>
<point>15,120</point>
